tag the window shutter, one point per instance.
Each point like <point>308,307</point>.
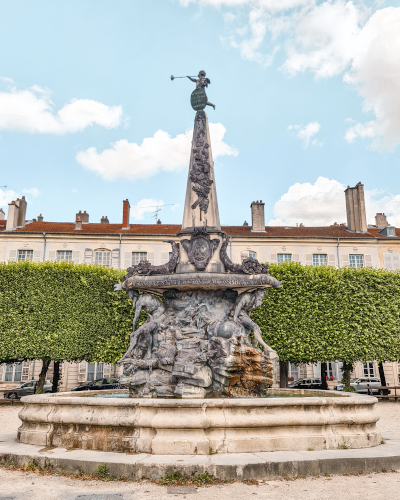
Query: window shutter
<point>367,261</point>
<point>387,261</point>
<point>107,371</point>
<point>345,260</point>
<point>309,259</point>
<point>115,258</point>
<point>331,260</point>
<point>2,372</point>
<point>396,260</point>
<point>75,257</point>
<point>127,260</point>
<point>164,258</point>
<point>150,257</point>
<point>82,371</point>
<point>88,256</point>
<point>273,257</point>
<point>36,255</point>
<point>12,255</point>
<point>25,371</point>
<point>52,255</point>
<point>295,257</point>
<point>244,255</point>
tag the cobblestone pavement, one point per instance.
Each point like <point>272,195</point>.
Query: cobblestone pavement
<point>31,486</point>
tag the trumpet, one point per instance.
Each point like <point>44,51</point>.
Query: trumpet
<point>173,77</point>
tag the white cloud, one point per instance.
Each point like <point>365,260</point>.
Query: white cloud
<point>32,191</point>
<point>147,205</point>
<point>328,38</point>
<point>323,203</point>
<point>307,132</point>
<point>375,71</point>
<point>6,79</point>
<point>32,111</point>
<point>318,204</point>
<point>7,197</point>
<point>161,152</point>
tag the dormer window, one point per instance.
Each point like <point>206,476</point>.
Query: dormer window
<point>388,231</point>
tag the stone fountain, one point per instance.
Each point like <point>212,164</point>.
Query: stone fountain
<point>198,370</point>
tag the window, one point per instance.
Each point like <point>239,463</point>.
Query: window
<point>330,369</point>
<point>282,257</point>
<point>95,371</point>
<point>294,371</point>
<point>25,255</point>
<point>13,372</point>
<point>391,260</point>
<point>64,255</point>
<point>319,259</point>
<point>369,370</point>
<point>102,257</point>
<point>138,257</point>
<point>356,261</point>
<point>252,255</point>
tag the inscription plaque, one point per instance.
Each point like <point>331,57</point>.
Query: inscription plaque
<point>198,99</point>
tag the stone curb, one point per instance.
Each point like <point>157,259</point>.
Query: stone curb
<point>240,466</point>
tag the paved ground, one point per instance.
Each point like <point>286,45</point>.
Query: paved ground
<point>31,486</point>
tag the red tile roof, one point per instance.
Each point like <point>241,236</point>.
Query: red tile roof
<point>336,231</point>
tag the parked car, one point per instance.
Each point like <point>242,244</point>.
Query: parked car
<point>339,387</point>
<point>306,383</point>
<point>99,385</point>
<point>360,385</point>
<point>26,389</point>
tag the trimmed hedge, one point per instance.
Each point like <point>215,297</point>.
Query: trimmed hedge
<point>62,311</point>
<point>323,314</point>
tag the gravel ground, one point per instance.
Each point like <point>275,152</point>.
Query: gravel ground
<point>31,486</point>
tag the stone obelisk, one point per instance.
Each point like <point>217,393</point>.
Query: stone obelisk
<point>201,215</point>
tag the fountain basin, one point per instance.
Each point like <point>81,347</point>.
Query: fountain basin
<point>200,426</point>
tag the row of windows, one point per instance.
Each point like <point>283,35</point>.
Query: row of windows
<point>101,257</point>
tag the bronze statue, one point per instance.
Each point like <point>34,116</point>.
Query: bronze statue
<point>201,83</point>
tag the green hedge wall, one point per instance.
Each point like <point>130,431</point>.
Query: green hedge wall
<point>65,311</point>
<point>323,313</point>
<point>62,311</point>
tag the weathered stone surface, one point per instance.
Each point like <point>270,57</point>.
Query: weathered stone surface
<point>192,334</point>
<point>200,426</point>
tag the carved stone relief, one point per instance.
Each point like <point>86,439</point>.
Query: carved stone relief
<point>200,248</point>
<point>196,344</point>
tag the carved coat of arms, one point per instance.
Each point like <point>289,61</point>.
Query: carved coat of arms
<point>200,248</point>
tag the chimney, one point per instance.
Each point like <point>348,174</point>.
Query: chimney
<point>355,208</point>
<point>2,214</point>
<point>381,221</point>
<point>158,221</point>
<point>78,223</point>
<point>40,218</point>
<point>22,211</point>
<point>257,216</point>
<point>83,217</point>
<point>104,220</point>
<point>12,216</point>
<point>125,214</point>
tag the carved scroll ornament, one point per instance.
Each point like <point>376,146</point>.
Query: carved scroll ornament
<point>144,268</point>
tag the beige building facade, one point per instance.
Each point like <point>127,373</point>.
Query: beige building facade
<point>124,244</point>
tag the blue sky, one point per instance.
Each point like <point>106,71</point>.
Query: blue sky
<point>307,98</point>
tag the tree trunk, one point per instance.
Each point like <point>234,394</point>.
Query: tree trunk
<point>383,378</point>
<point>323,377</point>
<point>347,369</point>
<point>56,376</point>
<point>283,374</point>
<point>42,376</point>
